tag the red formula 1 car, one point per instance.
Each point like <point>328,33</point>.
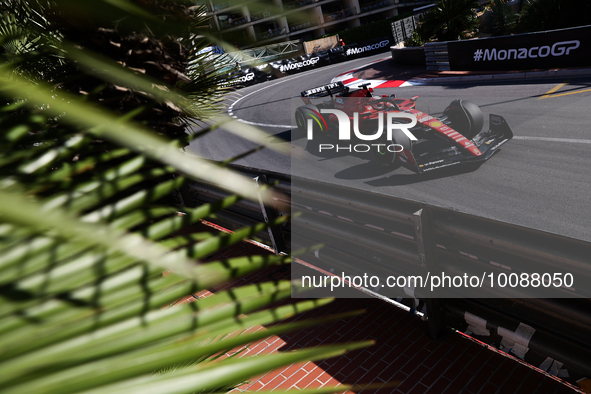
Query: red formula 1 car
<point>443,141</point>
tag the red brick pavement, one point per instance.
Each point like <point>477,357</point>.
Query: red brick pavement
<point>403,352</point>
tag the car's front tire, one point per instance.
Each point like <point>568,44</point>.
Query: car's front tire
<point>466,117</point>
<point>384,157</point>
<point>319,123</point>
<point>300,121</point>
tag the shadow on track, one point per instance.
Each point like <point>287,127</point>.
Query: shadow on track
<point>409,179</point>
<point>370,169</point>
<point>281,137</point>
<point>363,171</point>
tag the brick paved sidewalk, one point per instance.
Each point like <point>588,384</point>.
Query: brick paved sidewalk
<point>403,352</point>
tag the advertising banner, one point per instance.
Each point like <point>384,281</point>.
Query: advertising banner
<point>559,48</point>
<point>323,58</point>
<point>242,78</point>
<point>369,47</point>
<point>284,67</point>
<point>337,55</point>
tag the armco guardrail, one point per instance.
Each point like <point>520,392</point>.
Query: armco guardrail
<point>436,56</point>
<point>402,29</point>
<point>423,237</point>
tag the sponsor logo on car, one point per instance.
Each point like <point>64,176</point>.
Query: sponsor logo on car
<point>321,89</point>
<point>431,163</point>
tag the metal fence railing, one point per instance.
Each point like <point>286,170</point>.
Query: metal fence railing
<point>271,33</point>
<point>344,13</point>
<point>232,22</point>
<point>265,53</point>
<point>436,56</point>
<point>296,4</point>
<point>374,5</point>
<point>421,236</point>
<point>302,25</point>
<point>402,29</point>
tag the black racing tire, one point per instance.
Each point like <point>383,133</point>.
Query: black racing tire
<point>465,117</point>
<point>383,157</point>
<point>301,120</point>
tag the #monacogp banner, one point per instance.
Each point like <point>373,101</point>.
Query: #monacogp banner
<point>281,68</point>
<point>366,48</point>
<point>558,48</point>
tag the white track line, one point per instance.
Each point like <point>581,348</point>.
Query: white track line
<point>548,139</point>
<point>287,79</point>
<point>283,126</point>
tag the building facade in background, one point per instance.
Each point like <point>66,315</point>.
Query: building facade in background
<point>268,21</point>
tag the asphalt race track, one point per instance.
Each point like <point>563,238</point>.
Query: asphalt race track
<point>541,179</point>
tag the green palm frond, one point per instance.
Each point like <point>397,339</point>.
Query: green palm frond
<point>24,34</point>
<point>95,251</point>
<point>501,19</point>
<point>449,20</point>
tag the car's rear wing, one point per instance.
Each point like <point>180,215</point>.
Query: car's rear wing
<point>326,90</point>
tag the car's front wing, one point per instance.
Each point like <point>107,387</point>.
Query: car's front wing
<point>488,142</point>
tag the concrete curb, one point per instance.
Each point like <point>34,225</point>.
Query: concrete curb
<point>506,77</point>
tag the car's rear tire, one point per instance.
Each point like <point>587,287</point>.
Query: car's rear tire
<point>465,117</point>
